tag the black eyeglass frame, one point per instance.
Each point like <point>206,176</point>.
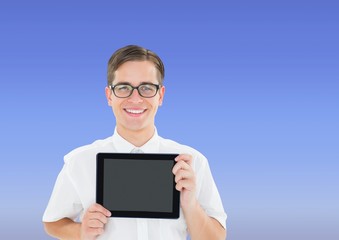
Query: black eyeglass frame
<point>157,86</point>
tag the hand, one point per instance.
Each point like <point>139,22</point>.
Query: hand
<point>94,221</point>
<point>185,180</point>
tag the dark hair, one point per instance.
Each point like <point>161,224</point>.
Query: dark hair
<point>133,53</point>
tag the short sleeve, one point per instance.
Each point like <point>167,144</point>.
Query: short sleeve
<point>64,201</point>
<point>208,194</point>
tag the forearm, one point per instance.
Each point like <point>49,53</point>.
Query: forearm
<point>65,229</point>
<point>201,226</point>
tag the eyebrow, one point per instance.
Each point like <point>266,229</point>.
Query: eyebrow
<point>128,83</point>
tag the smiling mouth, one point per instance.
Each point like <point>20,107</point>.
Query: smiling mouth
<point>135,111</point>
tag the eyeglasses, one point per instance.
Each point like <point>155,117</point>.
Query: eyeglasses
<point>146,90</point>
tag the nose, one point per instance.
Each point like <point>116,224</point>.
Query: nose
<point>135,97</point>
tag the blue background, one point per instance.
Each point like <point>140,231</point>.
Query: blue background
<point>253,85</point>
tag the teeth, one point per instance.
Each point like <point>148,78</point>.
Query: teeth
<point>135,111</point>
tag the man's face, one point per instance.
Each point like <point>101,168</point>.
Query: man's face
<point>135,113</point>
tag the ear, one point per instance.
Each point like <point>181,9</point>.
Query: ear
<point>108,93</point>
<point>161,94</point>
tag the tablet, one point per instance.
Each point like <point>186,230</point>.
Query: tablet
<point>137,185</point>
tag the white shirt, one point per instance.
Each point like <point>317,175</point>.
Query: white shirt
<point>74,190</point>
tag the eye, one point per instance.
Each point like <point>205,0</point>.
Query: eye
<point>122,88</point>
<point>147,88</point>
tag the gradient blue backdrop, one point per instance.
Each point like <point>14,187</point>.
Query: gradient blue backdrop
<point>253,85</point>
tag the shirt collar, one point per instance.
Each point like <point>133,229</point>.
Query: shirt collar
<point>123,146</point>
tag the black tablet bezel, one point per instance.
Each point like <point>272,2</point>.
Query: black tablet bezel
<point>101,157</point>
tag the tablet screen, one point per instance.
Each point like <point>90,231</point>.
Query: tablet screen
<point>137,185</point>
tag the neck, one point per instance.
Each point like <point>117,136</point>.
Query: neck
<point>136,137</point>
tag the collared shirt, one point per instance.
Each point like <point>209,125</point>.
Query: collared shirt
<point>74,190</point>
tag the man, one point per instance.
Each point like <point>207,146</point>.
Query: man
<point>135,90</point>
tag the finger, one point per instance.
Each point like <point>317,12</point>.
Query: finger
<point>98,208</point>
<point>98,216</point>
<point>95,223</point>
<point>186,158</point>
<point>185,184</point>
<point>94,231</point>
<point>183,174</point>
<point>92,228</point>
<point>180,165</point>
